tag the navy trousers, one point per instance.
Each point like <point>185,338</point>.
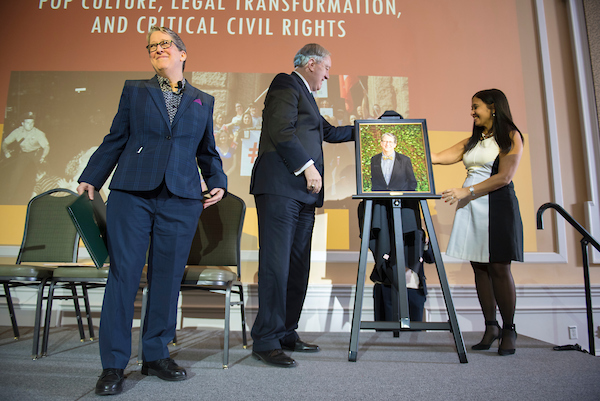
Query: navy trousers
<point>285,229</point>
<point>161,225</point>
<point>382,297</point>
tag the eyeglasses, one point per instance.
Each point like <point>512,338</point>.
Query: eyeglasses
<point>388,142</point>
<point>165,44</point>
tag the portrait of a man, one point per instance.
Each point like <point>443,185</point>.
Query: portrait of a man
<point>392,157</point>
<point>391,170</point>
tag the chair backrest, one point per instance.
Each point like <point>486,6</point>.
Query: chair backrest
<point>219,234</point>
<point>49,234</point>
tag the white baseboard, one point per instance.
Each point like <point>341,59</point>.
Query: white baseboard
<point>543,312</point>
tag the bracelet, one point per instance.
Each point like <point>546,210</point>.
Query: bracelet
<point>472,190</point>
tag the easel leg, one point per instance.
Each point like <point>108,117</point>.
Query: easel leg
<point>458,340</point>
<point>360,281</point>
<point>399,292</point>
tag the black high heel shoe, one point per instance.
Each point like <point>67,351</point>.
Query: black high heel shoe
<point>508,330</point>
<point>481,346</point>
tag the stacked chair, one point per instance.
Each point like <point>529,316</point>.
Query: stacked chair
<point>49,237</point>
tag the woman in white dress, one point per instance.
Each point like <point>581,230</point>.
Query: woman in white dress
<point>487,227</point>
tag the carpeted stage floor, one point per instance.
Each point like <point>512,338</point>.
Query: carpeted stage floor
<point>416,366</point>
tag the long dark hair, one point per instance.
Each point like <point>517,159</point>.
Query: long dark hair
<point>502,124</point>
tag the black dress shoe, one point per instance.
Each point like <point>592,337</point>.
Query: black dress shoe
<point>110,382</point>
<point>275,357</point>
<point>300,346</point>
<point>165,369</point>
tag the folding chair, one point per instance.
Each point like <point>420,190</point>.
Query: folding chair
<point>49,236</point>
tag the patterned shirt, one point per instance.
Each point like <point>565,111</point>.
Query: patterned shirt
<point>172,99</point>
<point>387,165</point>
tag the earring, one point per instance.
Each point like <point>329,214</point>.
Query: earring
<point>493,114</point>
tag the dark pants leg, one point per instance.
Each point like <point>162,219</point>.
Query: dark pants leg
<point>299,272</point>
<point>285,231</point>
<point>175,223</point>
<point>382,298</point>
<point>134,219</point>
<point>382,302</point>
<point>416,304</point>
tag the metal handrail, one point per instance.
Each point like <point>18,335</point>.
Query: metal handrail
<point>586,235</point>
<point>585,241</point>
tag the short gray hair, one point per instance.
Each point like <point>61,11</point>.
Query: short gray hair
<point>311,50</point>
<point>176,39</point>
<point>390,135</point>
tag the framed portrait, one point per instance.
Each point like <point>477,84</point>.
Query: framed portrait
<point>393,159</point>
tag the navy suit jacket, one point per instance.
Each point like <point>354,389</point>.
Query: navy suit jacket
<point>293,132</point>
<point>403,176</point>
<point>147,148</point>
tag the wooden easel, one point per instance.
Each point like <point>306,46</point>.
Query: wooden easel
<point>399,292</point>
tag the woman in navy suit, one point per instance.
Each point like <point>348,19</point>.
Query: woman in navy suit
<point>162,133</point>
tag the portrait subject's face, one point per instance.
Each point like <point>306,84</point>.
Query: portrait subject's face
<point>388,145</point>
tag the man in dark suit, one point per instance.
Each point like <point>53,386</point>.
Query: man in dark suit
<point>390,170</point>
<point>287,185</point>
<point>160,136</point>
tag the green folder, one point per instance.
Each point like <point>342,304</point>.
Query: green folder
<point>89,218</point>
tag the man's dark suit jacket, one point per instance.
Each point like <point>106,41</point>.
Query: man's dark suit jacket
<point>147,148</point>
<point>293,132</point>
<point>403,177</point>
